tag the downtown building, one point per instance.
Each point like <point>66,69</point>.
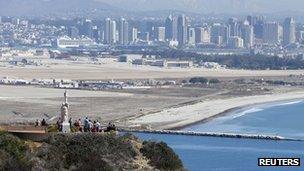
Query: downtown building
<point>289,31</point>
<point>247,34</point>
<point>219,34</point>
<point>110,36</point>
<point>271,33</point>
<point>182,30</point>
<point>123,32</point>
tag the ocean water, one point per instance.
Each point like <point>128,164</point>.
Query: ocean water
<point>231,154</point>
<point>228,154</point>
<point>284,119</point>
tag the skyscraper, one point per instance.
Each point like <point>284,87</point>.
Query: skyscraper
<point>96,34</point>
<point>174,28</point>
<point>271,33</point>
<point>191,34</point>
<point>252,20</point>
<point>247,34</point>
<point>160,33</point>
<point>235,42</point>
<point>219,34</point>
<point>205,35</point>
<point>182,30</point>
<point>73,32</point>
<point>123,32</point>
<point>258,24</point>
<point>289,31</point>
<point>234,27</point>
<point>134,35</point>
<point>169,28</point>
<point>87,28</point>
<point>199,34</point>
<point>110,31</point>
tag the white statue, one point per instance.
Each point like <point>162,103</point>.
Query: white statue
<point>65,115</point>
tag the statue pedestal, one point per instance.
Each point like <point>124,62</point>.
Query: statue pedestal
<point>66,127</point>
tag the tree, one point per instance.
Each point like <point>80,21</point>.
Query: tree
<point>214,81</point>
<point>201,80</point>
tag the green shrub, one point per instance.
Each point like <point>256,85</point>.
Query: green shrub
<point>214,81</point>
<point>161,156</point>
<point>13,153</point>
<point>201,80</point>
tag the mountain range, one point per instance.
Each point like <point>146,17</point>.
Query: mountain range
<point>47,7</point>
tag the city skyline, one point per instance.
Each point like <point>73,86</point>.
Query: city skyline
<point>175,31</point>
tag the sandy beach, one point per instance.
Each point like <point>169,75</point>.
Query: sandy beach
<point>207,109</point>
<point>110,69</point>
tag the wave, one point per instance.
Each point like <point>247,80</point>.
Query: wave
<point>289,103</point>
<point>251,110</point>
<point>256,109</point>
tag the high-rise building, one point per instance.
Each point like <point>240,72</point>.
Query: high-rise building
<point>235,42</point>
<point>169,28</point>
<point>96,34</point>
<point>73,32</point>
<point>252,20</point>
<point>160,33</point>
<point>258,25</point>
<point>289,31</point>
<point>174,29</point>
<point>191,34</point>
<point>123,32</point>
<point>219,34</point>
<point>134,35</point>
<point>182,30</point>
<point>247,34</point>
<point>110,31</point>
<point>87,28</point>
<point>234,27</point>
<point>199,34</point>
<point>271,33</point>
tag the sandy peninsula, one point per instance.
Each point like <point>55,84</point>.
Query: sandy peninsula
<point>207,109</point>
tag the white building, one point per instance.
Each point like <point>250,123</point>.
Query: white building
<point>110,31</point>
<point>247,35</point>
<point>160,33</point>
<point>123,32</point>
<point>66,42</point>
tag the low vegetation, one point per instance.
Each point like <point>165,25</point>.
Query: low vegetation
<point>161,156</point>
<point>203,80</point>
<point>86,151</point>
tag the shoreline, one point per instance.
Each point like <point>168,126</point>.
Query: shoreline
<point>178,118</point>
<point>233,111</point>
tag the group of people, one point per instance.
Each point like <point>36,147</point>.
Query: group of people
<point>88,126</point>
<point>42,123</point>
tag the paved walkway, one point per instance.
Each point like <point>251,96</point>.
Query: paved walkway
<point>24,129</point>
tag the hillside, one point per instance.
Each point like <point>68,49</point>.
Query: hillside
<point>86,152</point>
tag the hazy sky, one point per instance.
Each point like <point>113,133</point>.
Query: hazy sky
<point>26,7</point>
<point>209,6</point>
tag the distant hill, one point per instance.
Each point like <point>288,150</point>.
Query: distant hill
<point>211,6</point>
<point>136,8</point>
<point>47,7</point>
